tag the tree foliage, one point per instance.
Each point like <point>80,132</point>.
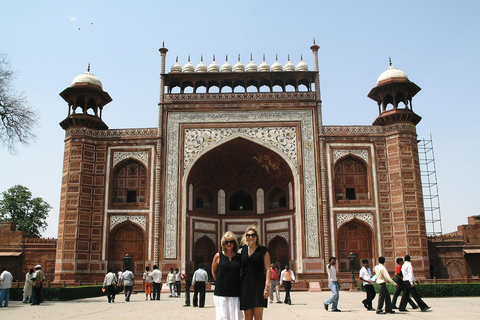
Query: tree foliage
<point>17,120</point>
<point>29,214</point>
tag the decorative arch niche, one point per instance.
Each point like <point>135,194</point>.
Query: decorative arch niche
<point>130,183</point>
<point>351,179</point>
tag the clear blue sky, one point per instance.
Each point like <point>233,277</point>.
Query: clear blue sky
<point>437,43</point>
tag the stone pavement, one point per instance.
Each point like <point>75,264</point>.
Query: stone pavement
<point>305,305</point>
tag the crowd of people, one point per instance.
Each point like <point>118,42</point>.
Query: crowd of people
<point>404,281</point>
<point>245,279</point>
<point>32,290</point>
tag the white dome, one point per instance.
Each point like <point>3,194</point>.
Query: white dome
<point>176,67</point>
<point>302,66</point>
<point>392,73</point>
<point>289,66</point>
<point>276,66</point>
<point>188,67</point>
<point>239,67</point>
<point>88,78</point>
<point>213,67</point>
<point>264,67</point>
<point>201,67</point>
<point>251,66</point>
<point>226,67</point>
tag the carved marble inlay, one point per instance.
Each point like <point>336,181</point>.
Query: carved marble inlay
<point>199,235</point>
<point>254,96</point>
<point>356,130</point>
<point>141,221</point>
<point>284,235</point>
<point>345,217</point>
<point>361,153</point>
<point>173,145</point>
<point>115,133</point>
<point>141,156</point>
<point>281,138</point>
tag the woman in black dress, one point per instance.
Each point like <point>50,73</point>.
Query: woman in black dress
<point>226,272</point>
<point>255,284</point>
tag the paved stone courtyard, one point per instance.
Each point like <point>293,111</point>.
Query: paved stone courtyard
<point>305,306</point>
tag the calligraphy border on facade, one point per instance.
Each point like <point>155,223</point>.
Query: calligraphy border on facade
<point>305,117</point>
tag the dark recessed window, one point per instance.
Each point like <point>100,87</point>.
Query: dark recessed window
<point>131,196</point>
<point>350,193</point>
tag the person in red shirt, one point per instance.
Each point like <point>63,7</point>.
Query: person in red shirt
<point>274,283</point>
<point>399,281</point>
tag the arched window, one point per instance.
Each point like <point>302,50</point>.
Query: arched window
<point>351,182</point>
<point>240,201</point>
<point>130,183</point>
<point>277,198</point>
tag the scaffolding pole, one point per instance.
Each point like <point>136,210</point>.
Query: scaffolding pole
<point>431,199</point>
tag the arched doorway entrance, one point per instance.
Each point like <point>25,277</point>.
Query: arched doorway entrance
<point>234,185</point>
<point>278,248</point>
<point>354,237</point>
<point>203,252</point>
<point>126,238</point>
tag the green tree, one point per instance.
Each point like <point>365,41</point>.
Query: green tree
<point>29,214</point>
<point>17,119</point>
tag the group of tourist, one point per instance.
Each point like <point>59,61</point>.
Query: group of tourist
<point>405,281</point>
<point>32,290</point>
<point>285,279</point>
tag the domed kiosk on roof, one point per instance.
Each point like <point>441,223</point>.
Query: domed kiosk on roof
<point>396,90</point>
<point>392,74</point>
<point>85,93</point>
<point>176,66</point>
<point>87,79</point>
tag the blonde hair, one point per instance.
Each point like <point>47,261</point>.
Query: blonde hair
<point>230,235</point>
<point>254,229</point>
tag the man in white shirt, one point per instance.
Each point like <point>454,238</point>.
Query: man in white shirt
<point>286,278</point>
<point>6,279</point>
<point>157,282</point>
<point>366,276</point>
<point>128,283</point>
<point>199,280</point>
<point>409,287</point>
<point>178,282</point>
<point>333,285</point>
<point>382,278</point>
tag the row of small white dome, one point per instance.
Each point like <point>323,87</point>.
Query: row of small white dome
<point>239,66</point>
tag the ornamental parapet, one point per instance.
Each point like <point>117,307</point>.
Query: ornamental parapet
<point>260,96</point>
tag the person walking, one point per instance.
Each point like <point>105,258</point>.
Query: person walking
<point>199,281</point>
<point>178,282</point>
<point>399,281</point>
<point>6,279</point>
<point>274,283</point>
<point>147,282</point>
<point>286,278</point>
<point>110,283</point>
<point>255,278</point>
<point>409,287</point>
<point>171,283</point>
<point>37,278</point>
<point>188,284</point>
<point>226,272</point>
<point>382,278</point>
<point>157,282</point>
<point>333,285</point>
<point>366,276</point>
<point>128,283</point>
<point>27,287</point>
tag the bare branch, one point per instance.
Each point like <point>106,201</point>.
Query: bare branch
<point>17,119</point>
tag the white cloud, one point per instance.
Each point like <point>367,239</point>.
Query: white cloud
<point>72,19</point>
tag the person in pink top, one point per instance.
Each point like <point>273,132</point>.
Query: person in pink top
<point>274,274</point>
